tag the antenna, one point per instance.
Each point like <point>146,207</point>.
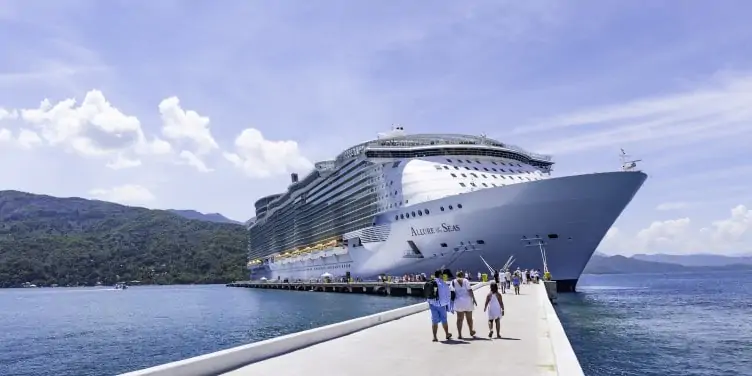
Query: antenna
<point>626,163</point>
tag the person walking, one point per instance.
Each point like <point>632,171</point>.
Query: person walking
<point>495,308</point>
<point>438,297</point>
<point>516,280</point>
<point>464,303</point>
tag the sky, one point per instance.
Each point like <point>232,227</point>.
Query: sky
<point>210,105</point>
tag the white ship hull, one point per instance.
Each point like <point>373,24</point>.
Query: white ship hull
<point>571,214</point>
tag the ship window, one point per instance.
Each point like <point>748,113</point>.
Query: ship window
<point>484,176</point>
<point>493,169</point>
<point>456,168</point>
<point>476,168</point>
<point>459,160</point>
<point>443,244</point>
<point>485,185</point>
<point>446,167</point>
<point>469,161</point>
<point>459,206</point>
<point>396,217</point>
<point>462,185</point>
<point>553,236</point>
<point>420,212</point>
<point>494,176</point>
<point>473,175</point>
<point>442,208</point>
<point>413,214</point>
<point>402,216</point>
<point>485,168</point>
<point>467,168</point>
<point>450,207</point>
<point>481,242</point>
<point>494,184</point>
<point>449,160</point>
<point>493,162</point>
<point>453,175</point>
<point>437,167</point>
<point>396,164</point>
<point>405,201</point>
<point>427,212</point>
<point>503,177</point>
<point>477,161</point>
<point>473,184</point>
<point>395,193</point>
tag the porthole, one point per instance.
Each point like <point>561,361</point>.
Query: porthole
<point>481,242</point>
<point>420,212</point>
<point>413,214</point>
<point>402,216</point>
<point>459,206</point>
<point>427,212</point>
<point>450,207</point>
<point>396,217</point>
<point>443,244</point>
<point>442,208</point>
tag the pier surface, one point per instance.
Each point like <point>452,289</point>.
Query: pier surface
<point>404,346</point>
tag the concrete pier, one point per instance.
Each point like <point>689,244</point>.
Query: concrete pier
<point>398,342</point>
<point>404,346</point>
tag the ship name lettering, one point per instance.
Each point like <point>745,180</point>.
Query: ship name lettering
<point>444,227</point>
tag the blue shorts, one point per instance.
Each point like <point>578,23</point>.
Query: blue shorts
<point>438,314</point>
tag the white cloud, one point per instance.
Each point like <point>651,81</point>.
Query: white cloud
<point>5,135</point>
<point>192,160</point>
<point>28,139</point>
<point>672,206</point>
<point>122,162</point>
<point>94,128</point>
<point>124,194</point>
<point>681,236</point>
<point>8,114</point>
<point>261,158</point>
<point>718,110</point>
<point>179,125</point>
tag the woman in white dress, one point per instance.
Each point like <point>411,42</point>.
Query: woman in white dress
<point>464,303</point>
<point>495,308</point>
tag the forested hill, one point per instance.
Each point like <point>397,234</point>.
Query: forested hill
<point>72,241</point>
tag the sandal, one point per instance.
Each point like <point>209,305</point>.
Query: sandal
<point>449,336</point>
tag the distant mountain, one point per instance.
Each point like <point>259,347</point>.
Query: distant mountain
<point>625,265</point>
<point>209,217</point>
<point>48,240</point>
<point>696,260</point>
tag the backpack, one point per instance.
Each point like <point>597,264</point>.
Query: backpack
<point>431,290</point>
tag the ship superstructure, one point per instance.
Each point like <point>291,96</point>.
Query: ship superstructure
<point>404,204</point>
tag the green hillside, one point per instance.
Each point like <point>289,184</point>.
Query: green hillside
<point>72,241</point>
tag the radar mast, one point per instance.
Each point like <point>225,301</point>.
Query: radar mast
<point>628,164</point>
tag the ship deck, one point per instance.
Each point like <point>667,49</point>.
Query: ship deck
<point>532,344</point>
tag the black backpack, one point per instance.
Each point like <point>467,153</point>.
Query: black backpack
<point>431,290</point>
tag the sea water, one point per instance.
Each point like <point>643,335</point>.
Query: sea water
<point>696,324</point>
<point>103,331</point>
<point>688,324</point>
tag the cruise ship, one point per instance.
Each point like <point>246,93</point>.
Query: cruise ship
<point>413,203</point>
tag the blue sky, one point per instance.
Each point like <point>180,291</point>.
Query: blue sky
<point>210,105</point>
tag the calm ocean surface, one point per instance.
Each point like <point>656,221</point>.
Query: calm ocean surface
<point>680,324</point>
<point>654,324</point>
